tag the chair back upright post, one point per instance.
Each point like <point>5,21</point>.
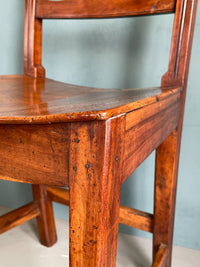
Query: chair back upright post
<point>181,47</point>
<point>32,42</point>
<point>167,154</point>
<point>181,44</point>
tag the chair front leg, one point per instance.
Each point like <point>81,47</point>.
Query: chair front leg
<point>95,185</point>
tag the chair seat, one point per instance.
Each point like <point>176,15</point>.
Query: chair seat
<point>28,100</point>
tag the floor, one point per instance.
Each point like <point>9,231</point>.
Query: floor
<point>20,247</point>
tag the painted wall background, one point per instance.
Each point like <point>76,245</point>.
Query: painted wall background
<point>131,52</point>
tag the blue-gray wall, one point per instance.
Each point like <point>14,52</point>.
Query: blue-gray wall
<point>130,52</point>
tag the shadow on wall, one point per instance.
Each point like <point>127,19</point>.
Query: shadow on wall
<point>107,53</point>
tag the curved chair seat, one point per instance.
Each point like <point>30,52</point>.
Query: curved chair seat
<point>29,100</point>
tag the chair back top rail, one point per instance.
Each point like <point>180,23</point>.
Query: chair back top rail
<point>101,8</point>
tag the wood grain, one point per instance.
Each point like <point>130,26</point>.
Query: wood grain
<point>34,154</point>
<point>181,45</point>
<point>136,218</point>
<point>60,195</point>
<point>165,192</point>
<point>101,9</point>
<point>45,220</point>
<point>167,155</point>
<point>18,216</point>
<point>95,185</point>
<point>92,139</point>
<point>32,101</point>
<point>129,216</point>
<point>32,41</point>
<point>146,128</point>
<point>161,256</point>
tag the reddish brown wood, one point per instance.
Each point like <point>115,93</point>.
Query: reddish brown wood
<point>167,155</point>
<point>132,217</point>
<point>101,9</point>
<point>18,216</point>
<point>45,221</point>
<point>32,41</point>
<point>181,43</point>
<point>136,218</point>
<point>96,154</point>
<point>146,128</point>
<point>52,132</point>
<point>161,256</point>
<point>165,191</point>
<point>59,195</point>
<point>33,101</point>
<point>34,154</point>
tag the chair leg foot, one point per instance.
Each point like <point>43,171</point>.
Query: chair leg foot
<point>167,157</point>
<point>45,221</point>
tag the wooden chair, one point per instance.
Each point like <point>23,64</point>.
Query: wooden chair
<point>91,140</point>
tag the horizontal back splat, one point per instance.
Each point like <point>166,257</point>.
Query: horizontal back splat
<point>101,8</point>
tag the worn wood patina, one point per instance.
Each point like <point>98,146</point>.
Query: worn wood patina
<point>91,140</point>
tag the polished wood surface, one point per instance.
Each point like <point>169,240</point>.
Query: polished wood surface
<point>131,217</point>
<point>45,221</point>
<point>32,41</point>
<point>95,186</point>
<point>91,140</point>
<point>29,100</point>
<point>161,256</point>
<point>167,154</point>
<point>136,218</point>
<point>154,122</point>
<point>28,142</point>
<point>60,195</point>
<point>34,154</point>
<point>101,8</point>
<point>181,47</point>
<point>18,216</point>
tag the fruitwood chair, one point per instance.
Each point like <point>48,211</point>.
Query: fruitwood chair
<point>90,140</point>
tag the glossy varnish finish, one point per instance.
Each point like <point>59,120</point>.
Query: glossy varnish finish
<point>146,128</point>
<point>96,160</point>
<point>45,220</point>
<point>60,195</point>
<point>161,256</point>
<point>101,8</point>
<point>33,101</point>
<point>18,216</point>
<point>92,139</point>
<point>167,155</point>
<point>131,217</point>
<point>32,41</point>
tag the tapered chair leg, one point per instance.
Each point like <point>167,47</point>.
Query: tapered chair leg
<point>167,157</point>
<point>95,186</point>
<point>45,221</point>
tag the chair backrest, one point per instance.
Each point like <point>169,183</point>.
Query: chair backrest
<point>185,11</point>
<point>101,8</point>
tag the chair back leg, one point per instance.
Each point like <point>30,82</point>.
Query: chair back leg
<point>45,221</point>
<point>167,158</point>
